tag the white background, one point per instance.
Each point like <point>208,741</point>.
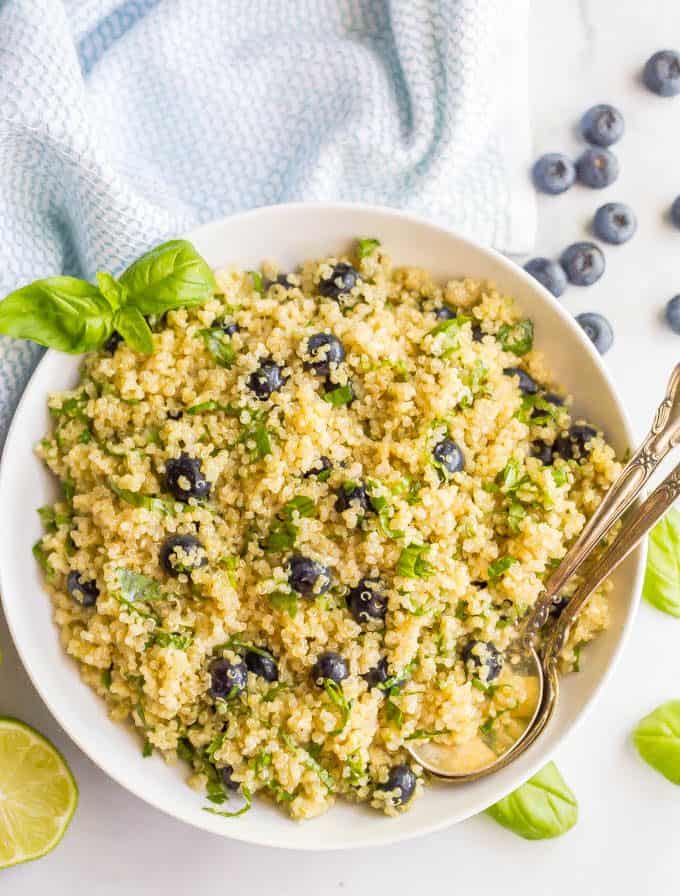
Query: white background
<point>582,52</point>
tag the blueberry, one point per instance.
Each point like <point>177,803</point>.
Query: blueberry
<point>225,777</point>
<point>485,656</point>
<point>448,456</point>
<point>227,679</point>
<point>83,591</point>
<point>262,663</point>
<point>557,604</point>
<point>367,601</point>
<point>477,333</point>
<point>661,73</point>
<point>583,262</point>
<point>229,327</point>
<point>342,280</point>
<point>320,470</point>
<point>602,125</point>
<point>598,329</point>
<point>615,223</point>
<point>353,494</point>
<point>281,280</point>
<point>543,451</point>
<point>181,553</point>
<point>445,313</point>
<point>573,444</point>
<point>308,577</point>
<point>553,399</point>
<point>325,350</point>
<point>672,314</point>
<point>597,168</point>
<point>527,384</point>
<point>184,478</point>
<point>268,378</point>
<point>402,780</point>
<point>553,173</point>
<point>675,212</point>
<point>330,666</point>
<point>549,273</point>
<point>113,342</point>
<point>378,674</point>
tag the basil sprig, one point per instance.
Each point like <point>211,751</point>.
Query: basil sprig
<point>75,316</point>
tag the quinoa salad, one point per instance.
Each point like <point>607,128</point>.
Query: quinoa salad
<point>300,534</point>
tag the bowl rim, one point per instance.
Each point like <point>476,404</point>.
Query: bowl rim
<point>516,270</point>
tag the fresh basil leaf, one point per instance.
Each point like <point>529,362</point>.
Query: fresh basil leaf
<point>113,291</point>
<point>366,247</point>
<point>130,323</point>
<point>662,577</point>
<point>517,338</point>
<point>542,808</point>
<point>173,275</point>
<point>657,739</point>
<point>60,312</point>
<point>413,563</point>
<point>219,345</point>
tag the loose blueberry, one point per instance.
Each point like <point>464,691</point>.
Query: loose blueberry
<point>367,601</point>
<point>330,666</point>
<point>325,350</point>
<point>597,168</point>
<point>83,591</point>
<point>342,280</point>
<point>553,173</point>
<point>268,378</point>
<point>483,655</point>
<point>227,679</point>
<point>543,451</point>
<point>353,495</point>
<point>308,577</point>
<point>573,445</point>
<point>113,342</point>
<point>184,478</point>
<point>527,384</point>
<point>661,73</point>
<point>448,456</point>
<point>549,273</point>
<point>598,329</point>
<point>675,212</point>
<point>672,314</point>
<point>602,125</point>
<point>615,223</point>
<point>225,776</point>
<point>323,466</point>
<point>445,313</point>
<point>402,780</point>
<point>583,262</point>
<point>262,664</point>
<point>181,553</point>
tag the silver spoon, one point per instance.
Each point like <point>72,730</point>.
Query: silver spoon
<point>538,672</point>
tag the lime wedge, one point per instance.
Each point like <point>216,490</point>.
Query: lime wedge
<point>38,794</point>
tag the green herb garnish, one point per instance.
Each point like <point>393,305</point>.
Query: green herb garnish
<point>366,246</point>
<point>661,587</point>
<point>43,562</point>
<point>248,803</point>
<point>413,563</point>
<point>137,499</point>
<point>219,345</point>
<point>657,739</point>
<point>517,338</point>
<point>542,808</point>
<point>285,601</point>
<point>337,696</point>
<point>258,282</point>
<point>498,567</point>
<point>339,396</point>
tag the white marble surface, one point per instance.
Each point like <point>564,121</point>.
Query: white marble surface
<point>582,51</point>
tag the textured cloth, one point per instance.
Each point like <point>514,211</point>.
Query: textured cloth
<point>124,122</point>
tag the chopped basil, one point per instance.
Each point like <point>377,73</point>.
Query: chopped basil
<point>413,563</point>
<point>248,803</point>
<point>258,282</point>
<point>137,499</point>
<point>51,520</point>
<point>498,567</point>
<point>366,246</point>
<point>106,678</point>
<point>147,749</point>
<point>339,396</point>
<point>135,586</point>
<point>41,556</point>
<point>559,475</point>
<point>185,749</point>
<point>74,408</point>
<point>423,734</point>
<point>381,505</point>
<point>510,478</point>
<point>281,537</point>
<point>337,697</point>
<point>285,601</point>
<point>219,345</point>
<point>170,639</point>
<point>516,513</point>
<point>517,338</point>
<point>302,505</point>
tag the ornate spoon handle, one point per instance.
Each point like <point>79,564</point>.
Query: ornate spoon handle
<point>645,517</point>
<point>662,437</point>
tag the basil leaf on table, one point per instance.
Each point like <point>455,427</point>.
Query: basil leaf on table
<point>172,275</point>
<point>65,313</point>
<point>657,739</point>
<point>661,587</point>
<point>132,326</point>
<point>542,808</point>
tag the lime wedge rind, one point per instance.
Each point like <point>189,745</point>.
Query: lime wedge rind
<point>38,794</point>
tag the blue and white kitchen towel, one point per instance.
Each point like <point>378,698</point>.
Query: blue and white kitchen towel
<point>124,122</point>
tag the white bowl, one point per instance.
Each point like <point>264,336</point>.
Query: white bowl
<point>290,234</point>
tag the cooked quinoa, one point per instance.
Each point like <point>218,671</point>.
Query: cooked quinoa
<point>300,534</point>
